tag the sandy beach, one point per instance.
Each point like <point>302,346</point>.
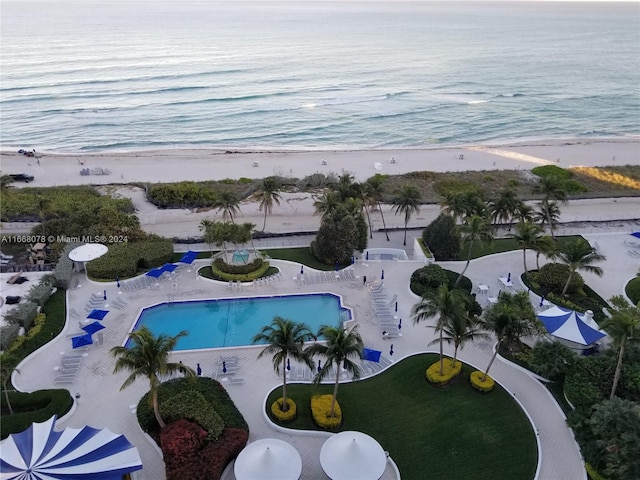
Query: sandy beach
<point>170,165</point>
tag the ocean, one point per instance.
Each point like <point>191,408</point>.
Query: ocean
<point>126,75</point>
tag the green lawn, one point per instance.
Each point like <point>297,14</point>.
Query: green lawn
<point>436,433</point>
<point>500,245</point>
<point>298,255</point>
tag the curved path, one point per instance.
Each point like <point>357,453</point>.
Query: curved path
<point>101,404</point>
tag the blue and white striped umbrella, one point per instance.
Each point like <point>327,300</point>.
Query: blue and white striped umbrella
<point>40,453</point>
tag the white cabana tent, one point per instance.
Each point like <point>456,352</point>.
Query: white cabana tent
<point>40,453</point>
<point>268,459</point>
<point>85,253</point>
<point>571,325</point>
<point>352,456</point>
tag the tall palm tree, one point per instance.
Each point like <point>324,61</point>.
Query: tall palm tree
<point>7,368</point>
<point>228,204</point>
<point>407,202</point>
<point>341,346</point>
<point>526,236</point>
<point>285,339</point>
<point>553,191</point>
<point>465,203</point>
<point>577,254</point>
<point>347,187</point>
<point>475,229</point>
<point>459,330</point>
<point>207,228</point>
<point>268,193</point>
<point>544,245</point>
<point>148,358</point>
<point>624,327</point>
<point>442,303</point>
<point>504,207</point>
<point>373,193</point>
<point>547,213</point>
<point>327,203</point>
<point>523,212</point>
<point>44,209</point>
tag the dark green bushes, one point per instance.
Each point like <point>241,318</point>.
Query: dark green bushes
<point>33,407</point>
<point>193,406</point>
<point>632,289</point>
<point>181,195</point>
<point>569,184</point>
<point>553,276</point>
<point>126,259</point>
<point>224,267</point>
<point>442,238</point>
<point>429,277</point>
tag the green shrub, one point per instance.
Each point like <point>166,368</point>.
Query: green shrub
<point>192,405</point>
<point>553,276</point>
<point>428,277</point>
<point>425,248</point>
<point>574,186</point>
<point>632,289</point>
<point>22,314</point>
<point>551,171</point>
<point>240,277</point>
<point>442,238</point>
<point>8,333</point>
<point>35,329</point>
<point>33,407</point>
<point>64,267</point>
<point>181,195</point>
<point>552,360</point>
<point>40,293</point>
<point>224,267</point>
<point>213,392</point>
<point>124,260</point>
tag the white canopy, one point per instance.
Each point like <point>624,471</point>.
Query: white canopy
<point>268,459</point>
<point>88,252</point>
<point>352,456</point>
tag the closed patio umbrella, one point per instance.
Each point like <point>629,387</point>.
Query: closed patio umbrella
<point>268,459</point>
<point>352,455</point>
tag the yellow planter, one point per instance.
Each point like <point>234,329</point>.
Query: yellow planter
<point>287,416</point>
<point>321,411</point>
<point>478,384</point>
<point>449,371</point>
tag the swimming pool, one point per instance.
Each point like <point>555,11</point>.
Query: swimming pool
<point>233,322</point>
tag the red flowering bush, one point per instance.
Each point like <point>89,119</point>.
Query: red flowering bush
<point>179,437</point>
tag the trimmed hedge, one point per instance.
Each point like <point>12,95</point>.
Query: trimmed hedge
<point>632,289</point>
<point>33,407</point>
<point>38,323</point>
<point>192,405</point>
<point>478,384</point>
<point>225,267</point>
<point>179,437</point>
<point>553,276</point>
<point>321,411</point>
<point>124,260</point>
<point>449,371</point>
<point>212,391</point>
<point>240,277</point>
<point>289,415</point>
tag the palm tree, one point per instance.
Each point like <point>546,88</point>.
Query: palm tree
<point>577,254</point>
<point>552,189</point>
<point>407,202</point>
<point>523,212</point>
<point>148,358</point>
<point>7,368</point>
<point>544,245</point>
<point>327,204</point>
<point>459,330</point>
<point>340,347</point>
<point>284,339</point>
<point>373,193</point>
<point>228,204</point>
<point>474,230</point>
<point>206,226</point>
<point>347,187</point>
<point>446,305</point>
<point>462,204</point>
<point>43,209</point>
<point>526,236</point>
<point>547,213</point>
<point>268,193</point>
<point>624,327</point>
<point>504,207</point>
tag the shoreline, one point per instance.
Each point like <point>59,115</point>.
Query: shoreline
<point>201,164</point>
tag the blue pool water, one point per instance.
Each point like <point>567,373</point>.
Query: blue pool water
<point>233,322</point>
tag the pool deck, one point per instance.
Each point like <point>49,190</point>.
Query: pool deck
<point>101,404</point>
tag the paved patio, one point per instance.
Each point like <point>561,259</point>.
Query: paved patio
<point>101,404</point>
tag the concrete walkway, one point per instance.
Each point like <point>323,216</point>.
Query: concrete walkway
<point>101,404</point>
